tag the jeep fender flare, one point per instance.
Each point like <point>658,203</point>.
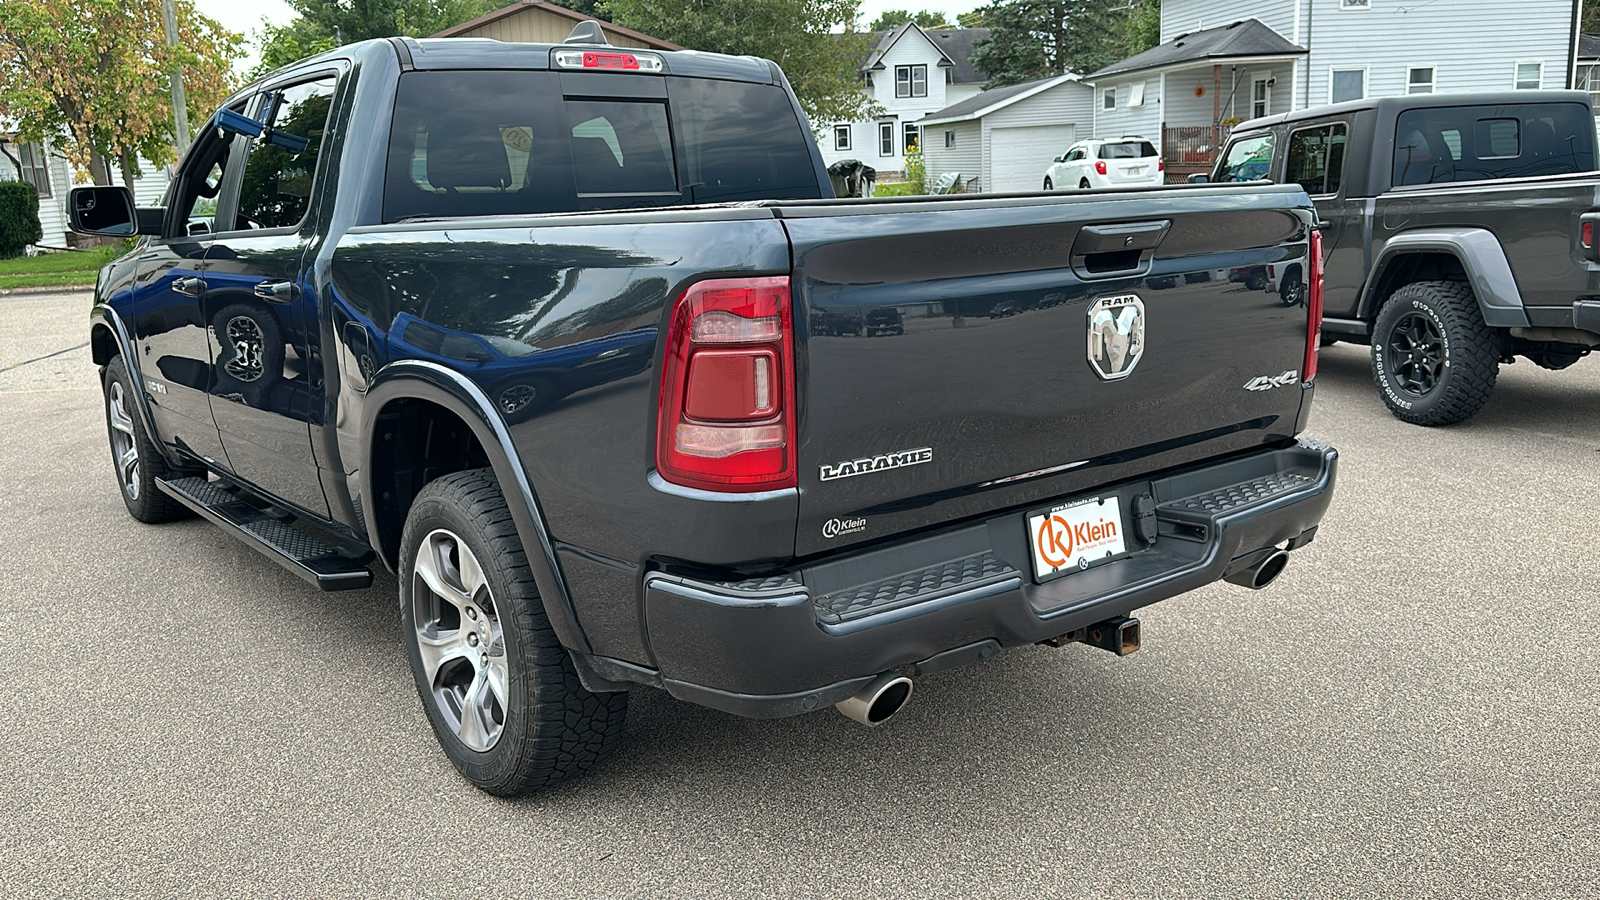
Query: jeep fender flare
<point>1481,257</point>
<point>413,379</point>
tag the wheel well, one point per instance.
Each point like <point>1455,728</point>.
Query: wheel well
<point>102,345</point>
<point>414,442</point>
<point>1409,268</point>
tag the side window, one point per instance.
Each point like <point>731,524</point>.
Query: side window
<point>276,189</point>
<point>195,192</point>
<point>1473,143</point>
<point>1316,158</point>
<point>620,148</point>
<point>1247,159</point>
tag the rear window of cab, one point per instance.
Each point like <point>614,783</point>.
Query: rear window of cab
<point>1127,150</point>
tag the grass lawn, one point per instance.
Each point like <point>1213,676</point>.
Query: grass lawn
<point>54,269</point>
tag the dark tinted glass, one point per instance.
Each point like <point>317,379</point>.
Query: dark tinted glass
<point>470,143</point>
<point>1316,158</point>
<point>1248,159</point>
<point>1472,143</point>
<point>1127,150</point>
<point>276,190</point>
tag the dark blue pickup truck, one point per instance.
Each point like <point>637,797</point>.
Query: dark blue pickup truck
<point>535,327</point>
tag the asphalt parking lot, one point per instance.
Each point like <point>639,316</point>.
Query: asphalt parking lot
<point>1411,710</point>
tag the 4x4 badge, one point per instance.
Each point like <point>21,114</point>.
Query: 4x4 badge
<point>1116,335</point>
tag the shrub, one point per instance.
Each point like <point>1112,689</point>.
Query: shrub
<point>916,172</point>
<point>19,218</point>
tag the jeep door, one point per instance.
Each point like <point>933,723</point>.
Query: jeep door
<point>1314,158</point>
<point>260,301</point>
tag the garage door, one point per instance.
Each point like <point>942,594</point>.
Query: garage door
<point>1018,156</point>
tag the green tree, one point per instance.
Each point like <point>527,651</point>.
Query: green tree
<point>321,25</point>
<point>1143,29</point>
<point>1031,39</point>
<point>795,34</point>
<point>91,76</point>
<point>974,19</point>
<point>890,19</point>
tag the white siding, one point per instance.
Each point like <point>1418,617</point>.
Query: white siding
<point>913,48</point>
<point>966,157</point>
<point>1068,103</point>
<point>1185,16</point>
<point>1473,45</point>
<point>1141,120</point>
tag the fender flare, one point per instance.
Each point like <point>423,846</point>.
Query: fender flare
<point>1481,256</point>
<point>102,315</point>
<point>422,380</point>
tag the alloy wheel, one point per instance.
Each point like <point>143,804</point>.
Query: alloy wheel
<point>244,336</point>
<point>124,445</point>
<point>1415,354</point>
<point>460,639</point>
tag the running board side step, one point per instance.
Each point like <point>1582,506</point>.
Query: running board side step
<point>319,558</point>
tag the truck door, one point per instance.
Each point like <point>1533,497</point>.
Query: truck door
<point>170,328</point>
<point>1315,160</point>
<point>257,298</point>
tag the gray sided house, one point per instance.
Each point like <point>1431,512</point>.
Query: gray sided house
<point>1003,139</point>
<point>1224,61</point>
<point>52,177</point>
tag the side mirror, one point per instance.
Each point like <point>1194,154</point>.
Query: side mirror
<point>1199,178</point>
<point>109,212</point>
<point>1061,158</point>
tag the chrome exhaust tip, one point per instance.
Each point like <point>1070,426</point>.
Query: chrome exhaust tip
<point>874,704</point>
<point>1262,573</point>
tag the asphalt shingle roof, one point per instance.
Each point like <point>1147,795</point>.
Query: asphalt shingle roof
<point>955,43</point>
<point>986,99</point>
<point>1588,46</point>
<point>1244,38</point>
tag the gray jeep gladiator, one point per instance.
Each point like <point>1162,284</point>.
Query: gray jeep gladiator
<point>535,327</point>
<point>1460,233</point>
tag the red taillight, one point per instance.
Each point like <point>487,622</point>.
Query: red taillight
<point>1100,167</point>
<point>611,61</point>
<point>727,388</point>
<point>1161,165</point>
<point>1588,235</point>
<point>1313,310</point>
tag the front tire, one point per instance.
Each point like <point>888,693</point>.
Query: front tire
<point>1433,358</point>
<point>136,459</point>
<point>498,688</point>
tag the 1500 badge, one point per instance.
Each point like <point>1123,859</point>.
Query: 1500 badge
<point>877,463</point>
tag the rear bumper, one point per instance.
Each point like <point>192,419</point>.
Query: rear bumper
<point>808,638</point>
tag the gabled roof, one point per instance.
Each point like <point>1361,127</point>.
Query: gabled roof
<point>996,98</point>
<point>954,46</point>
<point>1246,38</point>
<point>563,12</point>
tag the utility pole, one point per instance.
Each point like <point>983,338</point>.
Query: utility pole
<point>180,111</point>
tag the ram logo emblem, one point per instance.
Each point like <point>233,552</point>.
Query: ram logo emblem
<point>1116,335</point>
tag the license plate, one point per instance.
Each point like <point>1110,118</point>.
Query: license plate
<point>1073,536</point>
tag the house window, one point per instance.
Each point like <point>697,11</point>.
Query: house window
<point>949,138</point>
<point>1419,80</point>
<point>1347,84</point>
<point>1316,158</point>
<point>1355,4</point>
<point>1261,97</point>
<point>911,81</point>
<point>1530,76</point>
<point>35,168</point>
<point>841,137</point>
<point>1110,99</point>
<point>1136,94</point>
<point>885,138</point>
<point>913,137</point>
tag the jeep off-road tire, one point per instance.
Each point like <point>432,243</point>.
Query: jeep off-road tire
<point>134,457</point>
<point>498,688</point>
<point>1433,358</point>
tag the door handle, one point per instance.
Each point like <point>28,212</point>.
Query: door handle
<point>278,291</point>
<point>191,285</point>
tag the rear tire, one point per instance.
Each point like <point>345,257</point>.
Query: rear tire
<point>1433,358</point>
<point>136,459</point>
<point>1083,185</point>
<point>1048,186</point>
<point>499,689</point>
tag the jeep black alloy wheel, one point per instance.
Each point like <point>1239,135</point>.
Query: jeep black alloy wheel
<point>1433,358</point>
<point>498,688</point>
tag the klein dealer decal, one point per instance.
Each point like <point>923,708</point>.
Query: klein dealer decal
<point>879,463</point>
<point>1075,535</point>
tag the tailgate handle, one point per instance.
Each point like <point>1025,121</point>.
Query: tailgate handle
<point>1111,251</point>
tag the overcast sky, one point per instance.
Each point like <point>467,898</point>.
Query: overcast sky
<point>245,17</point>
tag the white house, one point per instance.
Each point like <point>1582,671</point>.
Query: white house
<point>1227,60</point>
<point>910,72</point>
<point>1003,139</point>
<point>53,177</point>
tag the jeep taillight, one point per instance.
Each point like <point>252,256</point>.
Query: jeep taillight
<point>727,387</point>
<point>1313,310</point>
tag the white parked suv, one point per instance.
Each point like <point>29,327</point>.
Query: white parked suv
<point>1127,162</point>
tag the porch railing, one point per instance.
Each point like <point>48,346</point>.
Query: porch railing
<point>1192,146</point>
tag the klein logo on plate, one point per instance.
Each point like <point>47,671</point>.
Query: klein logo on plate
<point>1074,535</point>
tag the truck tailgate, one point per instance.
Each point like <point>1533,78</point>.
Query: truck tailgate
<point>1014,372</point>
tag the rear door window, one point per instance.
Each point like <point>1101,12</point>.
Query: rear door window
<point>1474,143</point>
<point>1127,150</point>
<point>1316,158</point>
<point>1247,159</point>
